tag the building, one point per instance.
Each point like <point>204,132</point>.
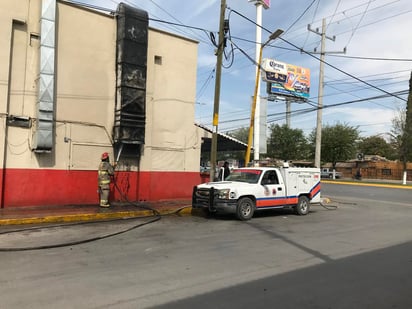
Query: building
<point>76,82</point>
<point>373,167</point>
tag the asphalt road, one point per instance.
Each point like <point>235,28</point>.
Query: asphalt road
<point>382,194</point>
<point>357,256</point>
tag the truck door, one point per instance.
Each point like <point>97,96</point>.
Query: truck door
<point>272,191</point>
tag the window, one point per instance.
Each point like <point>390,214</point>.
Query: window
<point>270,178</point>
<point>386,171</point>
<point>158,60</point>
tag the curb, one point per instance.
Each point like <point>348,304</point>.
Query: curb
<point>93,216</point>
<point>368,184</point>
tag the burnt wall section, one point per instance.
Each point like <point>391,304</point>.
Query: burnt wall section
<point>130,110</point>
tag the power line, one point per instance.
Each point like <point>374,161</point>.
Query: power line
<point>180,22</point>
<point>315,108</point>
<point>360,20</point>
<point>301,15</point>
<point>373,58</point>
<point>332,66</point>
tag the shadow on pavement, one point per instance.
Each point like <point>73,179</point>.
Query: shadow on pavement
<point>377,279</point>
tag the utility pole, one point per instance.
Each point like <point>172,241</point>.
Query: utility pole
<point>288,104</point>
<point>273,36</point>
<point>256,139</point>
<point>320,89</point>
<point>219,54</point>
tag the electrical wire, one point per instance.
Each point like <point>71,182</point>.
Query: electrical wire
<point>180,22</point>
<point>313,19</point>
<point>372,58</point>
<point>334,14</point>
<point>301,15</point>
<point>359,22</point>
<point>378,21</point>
<point>325,62</point>
<point>205,84</point>
<point>281,115</point>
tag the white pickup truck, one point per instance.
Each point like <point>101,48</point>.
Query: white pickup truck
<point>332,174</point>
<point>246,190</point>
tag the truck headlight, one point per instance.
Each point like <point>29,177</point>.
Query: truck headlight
<point>224,194</point>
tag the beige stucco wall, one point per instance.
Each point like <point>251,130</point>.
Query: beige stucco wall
<point>84,85</point>
<point>85,91</point>
<point>172,142</point>
<point>17,82</point>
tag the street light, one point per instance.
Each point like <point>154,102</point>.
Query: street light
<point>273,36</point>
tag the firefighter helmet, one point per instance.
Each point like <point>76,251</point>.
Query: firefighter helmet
<point>105,155</point>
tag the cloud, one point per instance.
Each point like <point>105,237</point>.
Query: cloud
<point>202,6</point>
<point>369,120</point>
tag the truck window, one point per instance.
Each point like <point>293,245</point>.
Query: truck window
<point>270,178</point>
<point>244,175</point>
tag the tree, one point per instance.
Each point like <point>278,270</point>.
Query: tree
<point>286,143</point>
<point>397,131</point>
<point>376,145</point>
<point>406,149</point>
<point>401,133</point>
<point>241,134</point>
<point>338,143</point>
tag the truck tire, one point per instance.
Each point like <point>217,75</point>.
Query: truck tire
<point>302,208</point>
<point>245,209</point>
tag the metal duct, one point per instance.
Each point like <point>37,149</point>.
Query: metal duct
<point>130,111</point>
<point>43,138</point>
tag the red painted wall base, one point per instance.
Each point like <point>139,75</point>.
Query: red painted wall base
<point>42,187</point>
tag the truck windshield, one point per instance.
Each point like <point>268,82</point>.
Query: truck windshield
<point>244,175</point>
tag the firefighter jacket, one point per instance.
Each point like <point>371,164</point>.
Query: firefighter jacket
<point>105,171</point>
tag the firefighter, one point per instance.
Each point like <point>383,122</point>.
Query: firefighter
<point>224,171</point>
<point>105,173</point>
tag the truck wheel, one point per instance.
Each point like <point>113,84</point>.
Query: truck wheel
<point>302,208</point>
<point>245,209</point>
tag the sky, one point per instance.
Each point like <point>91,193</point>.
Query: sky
<point>359,85</point>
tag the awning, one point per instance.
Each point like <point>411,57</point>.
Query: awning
<point>224,142</point>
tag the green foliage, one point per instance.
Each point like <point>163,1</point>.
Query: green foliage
<point>287,144</point>
<point>376,145</point>
<point>396,134</point>
<point>406,148</point>
<point>338,143</point>
<point>401,133</point>
<point>241,134</point>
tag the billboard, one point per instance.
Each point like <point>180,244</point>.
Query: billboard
<point>265,3</point>
<point>286,79</point>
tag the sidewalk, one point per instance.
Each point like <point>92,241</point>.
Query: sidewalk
<point>77,213</point>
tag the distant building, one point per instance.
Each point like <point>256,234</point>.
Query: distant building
<point>373,167</point>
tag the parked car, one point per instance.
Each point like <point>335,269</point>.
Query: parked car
<point>328,173</point>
